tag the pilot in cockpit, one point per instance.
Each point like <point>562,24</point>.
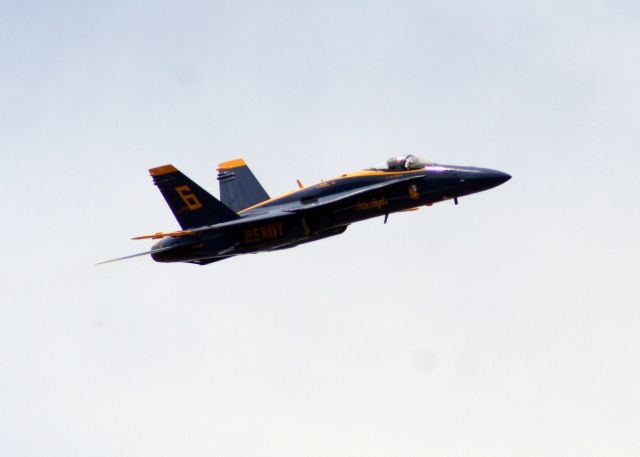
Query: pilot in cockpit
<point>401,163</point>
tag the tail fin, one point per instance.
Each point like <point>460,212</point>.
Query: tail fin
<point>239,188</point>
<point>191,204</point>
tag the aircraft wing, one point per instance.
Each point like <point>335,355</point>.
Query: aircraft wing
<point>321,203</point>
<point>215,227</point>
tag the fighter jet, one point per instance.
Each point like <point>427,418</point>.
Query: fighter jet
<point>246,220</point>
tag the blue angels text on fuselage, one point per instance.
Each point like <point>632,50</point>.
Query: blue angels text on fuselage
<point>246,220</point>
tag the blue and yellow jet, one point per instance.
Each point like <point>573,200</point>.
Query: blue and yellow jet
<point>246,221</point>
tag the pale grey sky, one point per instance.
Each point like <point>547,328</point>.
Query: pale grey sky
<point>506,326</point>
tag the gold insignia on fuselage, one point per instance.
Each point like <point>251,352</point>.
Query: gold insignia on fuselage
<point>374,203</point>
<point>413,192</point>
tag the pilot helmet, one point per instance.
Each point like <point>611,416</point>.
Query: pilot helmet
<point>410,162</point>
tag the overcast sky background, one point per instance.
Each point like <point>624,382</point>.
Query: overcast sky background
<point>506,326</point>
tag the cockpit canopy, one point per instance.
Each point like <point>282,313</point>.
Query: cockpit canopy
<point>402,163</point>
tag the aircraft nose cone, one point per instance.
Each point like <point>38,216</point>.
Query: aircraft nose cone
<point>487,179</point>
<point>497,177</point>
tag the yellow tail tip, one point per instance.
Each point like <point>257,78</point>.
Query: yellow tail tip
<point>235,163</point>
<point>163,170</point>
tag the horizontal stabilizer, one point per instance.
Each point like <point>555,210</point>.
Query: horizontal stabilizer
<point>159,235</point>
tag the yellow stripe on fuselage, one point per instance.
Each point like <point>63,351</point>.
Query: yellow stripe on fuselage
<point>355,174</point>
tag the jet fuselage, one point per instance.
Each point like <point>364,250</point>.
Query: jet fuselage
<point>326,209</point>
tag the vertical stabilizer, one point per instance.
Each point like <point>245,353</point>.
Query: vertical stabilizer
<point>191,204</point>
<point>239,188</point>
